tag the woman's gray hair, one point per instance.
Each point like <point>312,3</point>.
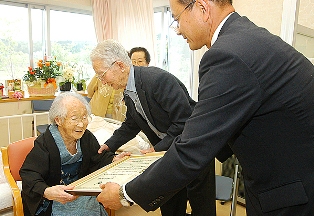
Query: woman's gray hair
<point>110,51</point>
<point>59,109</point>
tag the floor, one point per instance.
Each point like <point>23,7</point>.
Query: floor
<point>222,210</point>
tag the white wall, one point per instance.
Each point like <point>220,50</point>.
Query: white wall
<point>159,3</point>
<point>77,4</point>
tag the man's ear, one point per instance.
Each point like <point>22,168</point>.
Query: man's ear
<point>121,65</point>
<point>205,7</point>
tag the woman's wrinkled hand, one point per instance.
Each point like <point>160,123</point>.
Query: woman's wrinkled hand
<point>57,193</point>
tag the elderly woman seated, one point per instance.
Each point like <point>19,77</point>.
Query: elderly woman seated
<point>65,152</point>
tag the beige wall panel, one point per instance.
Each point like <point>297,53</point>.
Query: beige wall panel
<point>159,3</point>
<point>306,13</point>
<point>266,13</point>
<point>77,4</point>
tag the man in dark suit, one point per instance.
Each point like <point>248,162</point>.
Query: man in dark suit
<point>256,94</point>
<point>157,104</point>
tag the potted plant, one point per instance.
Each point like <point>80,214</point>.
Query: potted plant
<point>80,82</point>
<point>41,80</point>
<point>68,78</point>
<point>81,85</point>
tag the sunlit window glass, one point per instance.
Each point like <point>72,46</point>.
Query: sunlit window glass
<point>38,34</point>
<point>14,49</point>
<point>72,38</point>
<point>173,53</point>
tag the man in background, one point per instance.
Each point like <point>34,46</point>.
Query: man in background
<point>140,56</point>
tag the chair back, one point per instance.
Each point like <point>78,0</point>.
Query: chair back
<point>17,152</point>
<point>41,105</point>
<point>227,188</point>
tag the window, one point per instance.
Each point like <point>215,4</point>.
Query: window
<point>72,38</point>
<point>173,53</point>
<point>14,50</point>
<point>64,33</point>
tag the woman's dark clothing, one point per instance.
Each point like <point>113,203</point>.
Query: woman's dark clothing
<point>42,168</point>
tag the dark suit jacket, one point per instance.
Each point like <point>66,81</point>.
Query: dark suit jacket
<point>42,167</point>
<point>166,104</point>
<point>258,91</point>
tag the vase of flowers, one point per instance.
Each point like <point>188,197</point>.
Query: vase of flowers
<point>41,80</point>
<point>79,81</point>
<point>79,86</point>
<point>67,78</point>
<point>65,86</point>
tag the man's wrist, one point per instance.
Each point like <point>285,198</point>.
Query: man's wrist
<point>123,199</point>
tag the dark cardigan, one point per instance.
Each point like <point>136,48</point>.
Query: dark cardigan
<point>42,168</point>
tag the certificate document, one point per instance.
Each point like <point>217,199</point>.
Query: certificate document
<point>120,172</point>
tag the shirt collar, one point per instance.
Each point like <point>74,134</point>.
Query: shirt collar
<point>216,33</point>
<point>131,81</point>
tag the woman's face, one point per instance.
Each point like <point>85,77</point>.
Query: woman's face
<point>73,126</point>
<point>138,59</point>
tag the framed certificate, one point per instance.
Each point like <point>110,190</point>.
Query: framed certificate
<point>120,172</point>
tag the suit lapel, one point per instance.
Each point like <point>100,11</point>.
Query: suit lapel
<point>141,93</point>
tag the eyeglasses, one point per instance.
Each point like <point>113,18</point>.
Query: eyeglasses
<point>175,24</point>
<point>76,120</point>
<point>101,77</point>
<point>139,62</point>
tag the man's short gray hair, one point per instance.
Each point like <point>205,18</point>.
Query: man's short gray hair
<point>110,51</point>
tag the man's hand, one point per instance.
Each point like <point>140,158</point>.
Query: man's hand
<point>109,197</point>
<point>57,193</point>
<point>121,155</point>
<point>148,150</point>
<point>102,148</point>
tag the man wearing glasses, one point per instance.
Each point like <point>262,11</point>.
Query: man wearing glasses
<point>157,104</point>
<point>256,94</point>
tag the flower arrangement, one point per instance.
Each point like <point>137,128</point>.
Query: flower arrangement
<point>44,74</point>
<point>67,77</point>
<point>80,81</point>
<point>68,74</point>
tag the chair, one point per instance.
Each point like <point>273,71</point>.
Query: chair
<point>41,106</point>
<point>227,188</point>
<point>13,157</point>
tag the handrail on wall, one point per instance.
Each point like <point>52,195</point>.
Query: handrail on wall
<point>21,116</point>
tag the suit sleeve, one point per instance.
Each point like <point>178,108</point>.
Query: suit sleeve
<point>229,95</point>
<point>127,131</point>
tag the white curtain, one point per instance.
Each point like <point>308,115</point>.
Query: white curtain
<point>130,22</point>
<point>196,58</point>
<point>102,19</point>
